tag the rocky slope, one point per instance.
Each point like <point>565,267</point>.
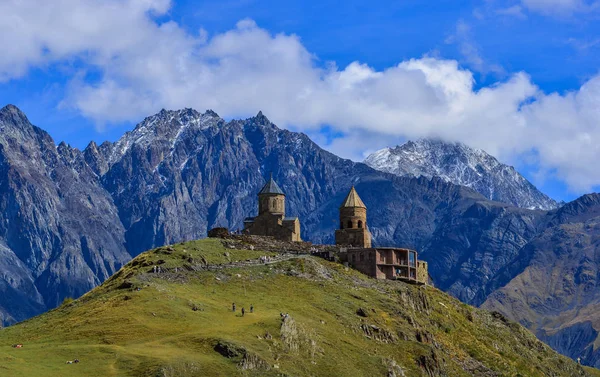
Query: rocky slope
<point>461,165</point>
<point>553,288</point>
<point>60,233</point>
<point>339,323</point>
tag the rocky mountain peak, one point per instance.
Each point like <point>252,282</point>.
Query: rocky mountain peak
<point>463,165</point>
<point>13,112</point>
<point>12,117</point>
<point>167,126</point>
<point>261,120</point>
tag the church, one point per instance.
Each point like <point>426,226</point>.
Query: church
<point>271,220</point>
<point>353,237</point>
<point>379,262</point>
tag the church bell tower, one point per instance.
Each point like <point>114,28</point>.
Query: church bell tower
<point>353,229</point>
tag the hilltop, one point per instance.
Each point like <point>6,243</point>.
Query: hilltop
<point>179,323</point>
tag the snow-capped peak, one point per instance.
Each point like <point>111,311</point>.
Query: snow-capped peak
<point>460,164</point>
<point>167,125</point>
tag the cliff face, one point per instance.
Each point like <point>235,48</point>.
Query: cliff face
<point>60,234</point>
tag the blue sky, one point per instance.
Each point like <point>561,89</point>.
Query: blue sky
<point>517,78</point>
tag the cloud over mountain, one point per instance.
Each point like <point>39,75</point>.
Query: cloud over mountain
<point>129,59</point>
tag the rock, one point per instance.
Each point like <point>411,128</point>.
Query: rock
<point>229,350</point>
<point>218,233</point>
<point>125,285</point>
<point>362,312</point>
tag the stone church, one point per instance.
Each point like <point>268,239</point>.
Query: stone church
<point>379,262</point>
<point>271,220</point>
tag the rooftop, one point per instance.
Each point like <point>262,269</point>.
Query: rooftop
<point>271,188</point>
<point>353,200</point>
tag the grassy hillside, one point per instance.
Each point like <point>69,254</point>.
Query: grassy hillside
<point>340,323</point>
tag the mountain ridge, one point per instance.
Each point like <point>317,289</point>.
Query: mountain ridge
<point>460,164</point>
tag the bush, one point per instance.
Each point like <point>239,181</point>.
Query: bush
<point>67,301</point>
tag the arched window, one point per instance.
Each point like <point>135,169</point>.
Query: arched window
<point>274,204</point>
<point>360,223</point>
<point>349,223</point>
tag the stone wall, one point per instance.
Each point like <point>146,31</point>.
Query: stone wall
<point>422,272</point>
<point>365,261</point>
<point>272,225</point>
<point>353,237</point>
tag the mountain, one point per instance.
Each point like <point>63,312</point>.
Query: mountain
<point>60,233</point>
<point>461,165</point>
<point>553,289</point>
<point>311,318</point>
<point>72,218</point>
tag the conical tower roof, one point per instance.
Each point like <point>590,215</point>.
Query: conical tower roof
<point>271,188</point>
<point>353,200</point>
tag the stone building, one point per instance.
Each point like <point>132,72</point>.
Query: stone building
<point>378,262</point>
<point>388,263</point>
<point>353,222</point>
<point>271,220</point>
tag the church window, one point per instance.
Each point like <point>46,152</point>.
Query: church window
<point>349,223</point>
<point>362,257</point>
<point>360,223</point>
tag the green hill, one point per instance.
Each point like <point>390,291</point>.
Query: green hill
<point>179,322</point>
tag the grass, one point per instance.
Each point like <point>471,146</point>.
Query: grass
<point>153,331</point>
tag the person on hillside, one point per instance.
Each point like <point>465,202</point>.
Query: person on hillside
<point>233,307</point>
<point>251,308</point>
<point>243,311</point>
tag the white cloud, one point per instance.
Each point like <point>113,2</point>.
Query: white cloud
<point>140,66</point>
<point>559,7</point>
<point>470,51</point>
<point>514,11</point>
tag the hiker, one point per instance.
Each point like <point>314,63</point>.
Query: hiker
<point>243,312</point>
<point>154,269</point>
<point>233,307</point>
<point>579,360</point>
<point>251,308</point>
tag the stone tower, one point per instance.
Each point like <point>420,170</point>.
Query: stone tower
<point>271,199</point>
<point>353,222</point>
<point>271,220</point>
